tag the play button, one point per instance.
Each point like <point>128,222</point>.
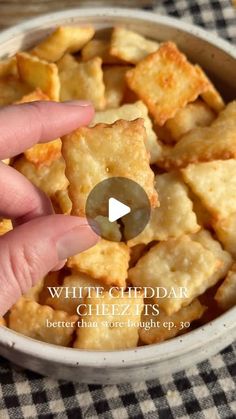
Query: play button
<point>121,208</point>
<point>116,209</point>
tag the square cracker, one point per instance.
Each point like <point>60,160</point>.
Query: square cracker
<point>166,82</point>
<point>196,114</point>
<point>115,84</point>
<point>226,293</point>
<point>44,154</point>
<point>205,238</point>
<point>11,89</point>
<point>39,73</point>
<point>30,319</point>
<point>107,262</point>
<point>175,215</point>
<point>99,48</point>
<point>218,141</point>
<point>82,80</point>
<point>62,40</point>
<point>104,151</point>
<point>158,332</point>
<point>41,153</point>
<point>130,46</point>
<point>129,112</point>
<point>211,96</point>
<point>215,184</point>
<point>49,178</point>
<point>115,330</point>
<point>71,284</point>
<point>176,264</point>
<point>226,232</point>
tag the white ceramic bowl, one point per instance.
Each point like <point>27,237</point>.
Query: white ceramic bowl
<point>219,59</point>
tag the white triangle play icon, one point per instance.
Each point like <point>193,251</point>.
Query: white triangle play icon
<point>116,209</point>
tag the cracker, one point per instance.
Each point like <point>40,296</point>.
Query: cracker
<point>11,90</point>
<point>218,141</point>
<point>166,82</point>
<point>173,218</point>
<point>206,240</point>
<point>196,114</point>
<point>41,153</point>
<point>215,184</point>
<point>34,95</point>
<point>5,226</point>
<point>130,46</point>
<point>104,151</point>
<point>39,73</point>
<point>226,293</point>
<point>211,96</point>
<point>158,332</point>
<point>99,48</point>
<point>129,112</point>
<point>115,84</point>
<point>173,264</point>
<point>226,232</point>
<point>107,262</point>
<point>115,330</point>
<point>30,319</point>
<point>109,231</point>
<point>44,154</point>
<point>70,286</point>
<point>62,40</point>
<point>50,178</point>
<point>82,80</point>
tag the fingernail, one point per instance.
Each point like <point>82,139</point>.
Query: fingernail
<point>78,102</point>
<point>75,241</point>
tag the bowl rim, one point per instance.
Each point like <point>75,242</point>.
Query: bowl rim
<point>163,351</point>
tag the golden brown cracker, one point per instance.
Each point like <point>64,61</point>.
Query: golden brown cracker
<point>130,46</point>
<point>98,153</point>
<point>62,40</point>
<point>107,262</point>
<point>82,80</point>
<point>39,73</point>
<point>166,82</point>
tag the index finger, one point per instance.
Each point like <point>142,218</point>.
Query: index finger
<point>26,124</point>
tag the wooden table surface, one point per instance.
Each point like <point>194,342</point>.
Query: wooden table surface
<point>14,11</point>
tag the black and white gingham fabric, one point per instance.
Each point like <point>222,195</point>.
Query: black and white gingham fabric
<point>207,390</point>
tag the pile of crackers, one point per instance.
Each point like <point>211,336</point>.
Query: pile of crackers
<point>161,122</point>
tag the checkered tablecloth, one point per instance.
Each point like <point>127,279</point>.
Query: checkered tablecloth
<point>204,391</point>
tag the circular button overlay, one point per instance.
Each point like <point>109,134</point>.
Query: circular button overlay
<point>121,208</point>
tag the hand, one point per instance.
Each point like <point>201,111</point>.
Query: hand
<point>41,240</point>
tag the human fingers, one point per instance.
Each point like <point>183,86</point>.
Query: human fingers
<point>26,124</point>
<point>31,250</point>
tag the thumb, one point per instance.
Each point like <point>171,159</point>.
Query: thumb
<point>30,251</point>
